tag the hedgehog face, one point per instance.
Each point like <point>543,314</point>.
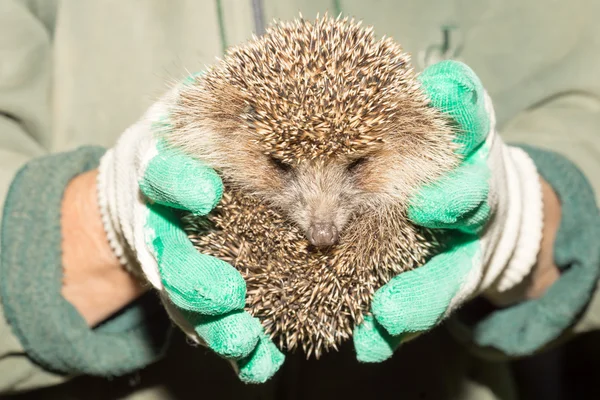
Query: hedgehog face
<point>320,119</point>
<point>319,196</point>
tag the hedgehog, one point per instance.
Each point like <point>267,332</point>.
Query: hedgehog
<point>321,133</point>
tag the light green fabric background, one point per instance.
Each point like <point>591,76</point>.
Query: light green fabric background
<point>76,72</point>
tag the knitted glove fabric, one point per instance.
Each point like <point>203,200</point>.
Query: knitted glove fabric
<point>141,182</point>
<point>493,204</point>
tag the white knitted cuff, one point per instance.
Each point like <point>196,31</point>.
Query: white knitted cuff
<point>512,240</point>
<point>530,229</point>
<point>105,197</point>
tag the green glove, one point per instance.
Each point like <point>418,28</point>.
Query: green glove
<point>493,204</point>
<point>141,182</point>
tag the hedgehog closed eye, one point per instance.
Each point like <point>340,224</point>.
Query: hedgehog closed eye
<point>357,163</point>
<point>280,165</point>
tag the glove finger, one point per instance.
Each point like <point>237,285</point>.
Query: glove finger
<point>454,89</point>
<point>417,300</point>
<point>193,281</point>
<point>373,343</point>
<point>233,335</point>
<point>458,200</point>
<point>262,363</point>
<point>176,180</point>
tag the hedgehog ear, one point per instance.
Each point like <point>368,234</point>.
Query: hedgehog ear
<point>454,89</point>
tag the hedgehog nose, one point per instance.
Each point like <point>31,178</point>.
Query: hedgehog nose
<point>323,234</point>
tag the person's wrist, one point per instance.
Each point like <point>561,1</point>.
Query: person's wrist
<point>94,281</point>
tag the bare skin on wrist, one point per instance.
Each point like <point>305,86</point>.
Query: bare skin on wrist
<point>94,282</point>
<point>546,272</point>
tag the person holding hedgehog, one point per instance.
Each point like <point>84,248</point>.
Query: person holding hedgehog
<point>523,221</point>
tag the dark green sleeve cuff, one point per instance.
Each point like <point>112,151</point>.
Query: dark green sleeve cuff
<point>523,329</point>
<point>50,329</point>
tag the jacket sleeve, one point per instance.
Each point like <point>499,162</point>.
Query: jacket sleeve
<point>562,136</point>
<point>43,339</point>
<point>570,126</point>
<point>25,70</point>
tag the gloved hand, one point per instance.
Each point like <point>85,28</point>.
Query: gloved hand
<point>141,181</point>
<point>492,203</point>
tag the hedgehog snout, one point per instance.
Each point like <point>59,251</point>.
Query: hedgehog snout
<point>318,198</point>
<point>323,234</point>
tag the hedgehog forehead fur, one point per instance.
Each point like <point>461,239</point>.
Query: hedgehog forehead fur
<point>305,90</point>
<point>319,89</point>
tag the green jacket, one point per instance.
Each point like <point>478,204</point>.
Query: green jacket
<point>76,73</point>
